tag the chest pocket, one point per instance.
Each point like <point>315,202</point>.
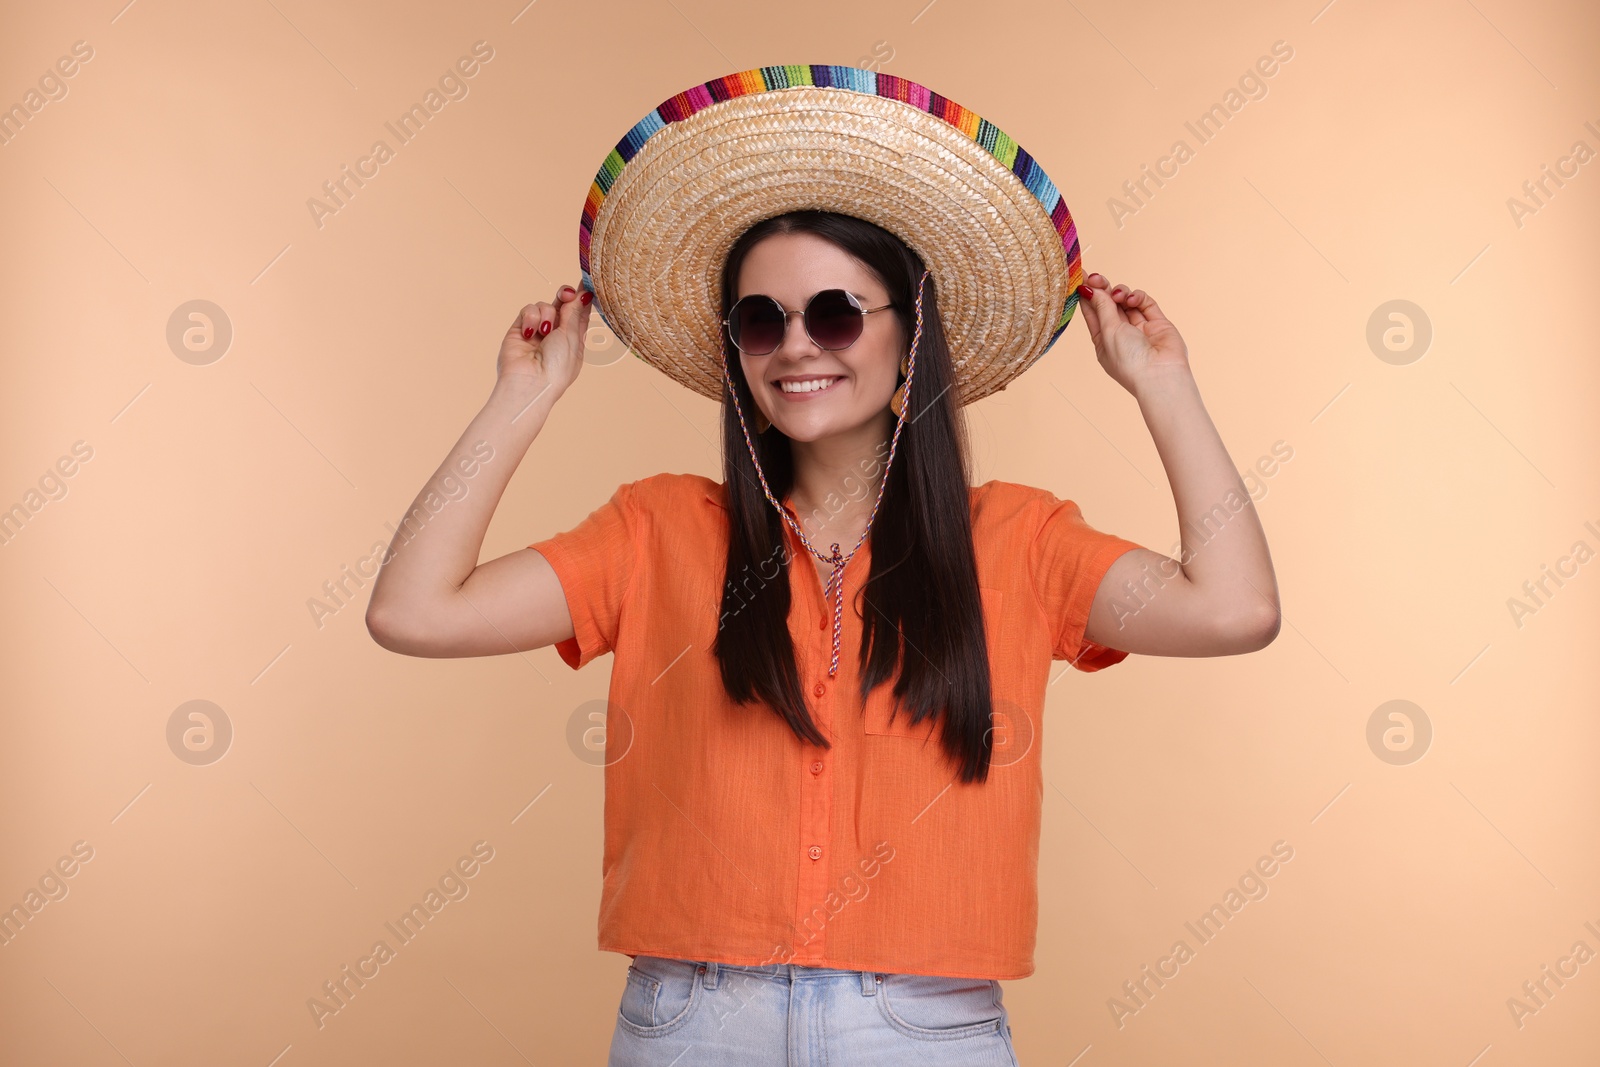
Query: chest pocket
<point>882,702</point>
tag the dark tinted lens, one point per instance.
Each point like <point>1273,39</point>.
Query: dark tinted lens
<point>756,325</point>
<point>832,320</point>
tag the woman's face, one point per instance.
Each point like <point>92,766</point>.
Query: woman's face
<point>791,268</point>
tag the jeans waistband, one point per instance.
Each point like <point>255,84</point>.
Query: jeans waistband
<point>710,970</point>
<point>791,971</point>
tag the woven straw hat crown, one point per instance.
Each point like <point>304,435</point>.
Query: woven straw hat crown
<point>708,163</point>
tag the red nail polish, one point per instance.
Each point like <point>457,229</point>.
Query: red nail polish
<point>585,297</point>
<point>527,333</point>
<point>1085,292</point>
<point>544,328</point>
<point>567,289</point>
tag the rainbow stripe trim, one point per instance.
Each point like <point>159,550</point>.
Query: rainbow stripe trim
<point>765,79</point>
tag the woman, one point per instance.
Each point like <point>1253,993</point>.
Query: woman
<point>822,824</point>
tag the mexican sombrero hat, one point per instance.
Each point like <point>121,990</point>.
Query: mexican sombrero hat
<point>696,172</point>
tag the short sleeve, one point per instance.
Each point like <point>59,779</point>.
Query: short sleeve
<point>1068,558</point>
<point>595,563</point>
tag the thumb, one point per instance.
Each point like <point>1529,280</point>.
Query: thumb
<point>580,307</point>
<point>574,313</point>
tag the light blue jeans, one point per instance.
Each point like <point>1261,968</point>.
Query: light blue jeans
<point>700,1013</point>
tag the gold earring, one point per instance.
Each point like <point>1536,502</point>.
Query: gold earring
<point>762,424</point>
<point>897,402</point>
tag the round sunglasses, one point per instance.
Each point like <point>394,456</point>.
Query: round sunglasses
<point>833,319</point>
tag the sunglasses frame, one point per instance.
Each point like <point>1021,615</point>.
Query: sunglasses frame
<point>863,312</point>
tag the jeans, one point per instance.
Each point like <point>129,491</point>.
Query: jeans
<point>700,1013</point>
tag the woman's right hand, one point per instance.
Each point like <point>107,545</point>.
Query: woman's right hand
<point>551,359</point>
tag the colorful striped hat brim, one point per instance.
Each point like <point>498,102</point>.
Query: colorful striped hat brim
<point>690,177</point>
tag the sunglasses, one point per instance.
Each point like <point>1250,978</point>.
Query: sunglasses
<point>833,320</point>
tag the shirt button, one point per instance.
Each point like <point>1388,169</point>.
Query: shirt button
<point>819,689</point>
<point>815,852</point>
<point>816,766</point>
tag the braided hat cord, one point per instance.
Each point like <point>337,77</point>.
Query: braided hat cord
<point>835,584</point>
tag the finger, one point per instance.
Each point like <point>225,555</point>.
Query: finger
<point>1103,309</point>
<point>1128,309</point>
<point>1134,303</point>
<point>526,322</point>
<point>534,319</point>
<point>572,312</point>
<point>526,314</point>
<point>1087,295</point>
<point>1100,309</point>
<point>1148,306</point>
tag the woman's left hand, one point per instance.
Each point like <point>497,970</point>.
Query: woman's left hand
<point>1132,338</point>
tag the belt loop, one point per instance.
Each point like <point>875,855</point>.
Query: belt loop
<point>710,969</point>
<point>869,984</point>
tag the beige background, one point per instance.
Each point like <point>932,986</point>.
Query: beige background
<point>1419,498</point>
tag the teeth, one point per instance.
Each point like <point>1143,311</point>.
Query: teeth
<point>806,387</point>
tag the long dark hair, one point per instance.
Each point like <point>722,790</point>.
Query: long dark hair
<point>920,605</point>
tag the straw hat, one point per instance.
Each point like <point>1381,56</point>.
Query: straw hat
<point>696,172</point>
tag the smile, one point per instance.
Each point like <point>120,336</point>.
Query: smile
<point>808,388</point>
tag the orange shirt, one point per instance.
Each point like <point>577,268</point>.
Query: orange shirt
<point>727,838</point>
